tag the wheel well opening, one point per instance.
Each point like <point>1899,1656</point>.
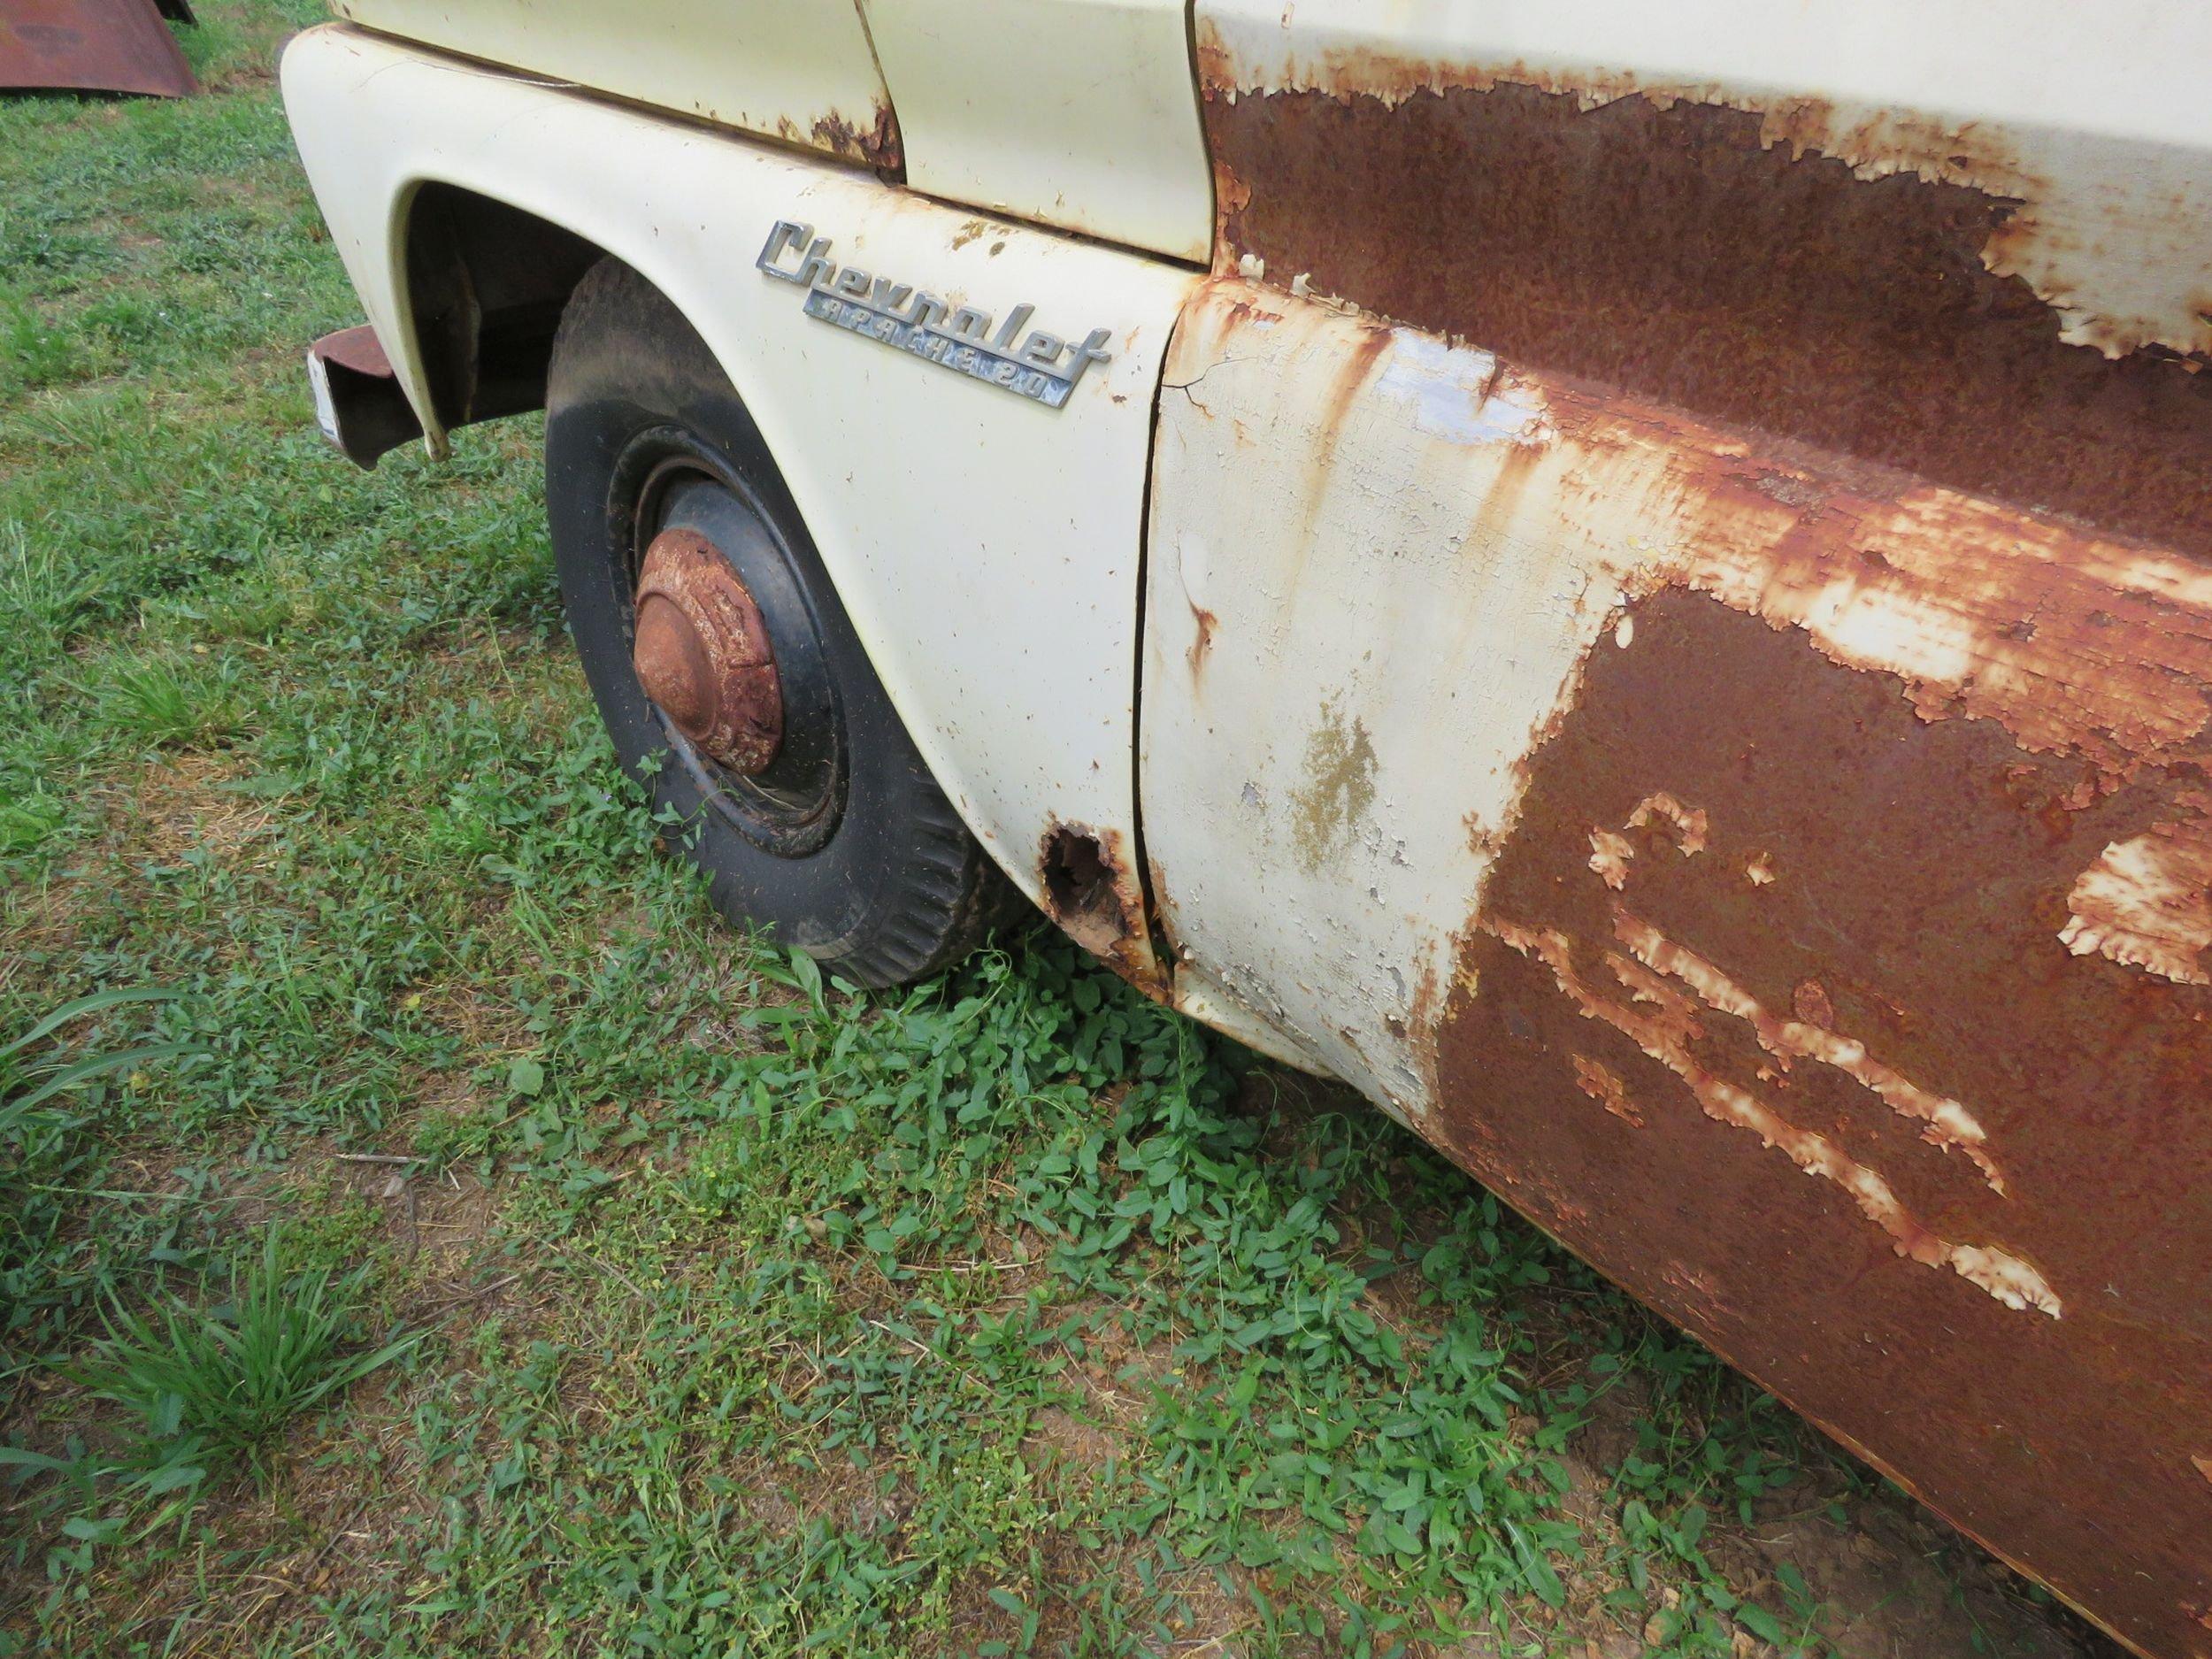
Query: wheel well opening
<point>487,283</point>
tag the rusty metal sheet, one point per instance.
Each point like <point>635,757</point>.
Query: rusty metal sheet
<point>1787,881</point>
<point>2001,304</point>
<point>92,46</point>
<point>703,654</point>
<point>358,403</point>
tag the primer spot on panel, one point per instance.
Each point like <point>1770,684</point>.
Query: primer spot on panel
<point>2147,901</point>
<point>1338,788</point>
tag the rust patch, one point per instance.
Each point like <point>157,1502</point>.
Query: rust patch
<point>875,144</point>
<point>1608,1090</point>
<point>2075,643</point>
<point>1811,1000</point>
<point>1713,258</point>
<point>1998,1281</point>
<point>1092,891</point>
<point>1611,850</point>
<point>92,45</point>
<point>1202,640</point>
<point>702,653</point>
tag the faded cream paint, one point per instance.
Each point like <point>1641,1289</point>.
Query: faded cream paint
<point>2099,130</point>
<point>797,70</point>
<point>1080,113</point>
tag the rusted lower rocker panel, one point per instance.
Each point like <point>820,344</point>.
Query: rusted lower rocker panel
<point>1810,863</point>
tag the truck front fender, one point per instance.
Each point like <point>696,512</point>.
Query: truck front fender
<point>985,544</point>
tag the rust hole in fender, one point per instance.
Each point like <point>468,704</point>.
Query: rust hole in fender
<point>1092,890</point>
<point>1079,889</point>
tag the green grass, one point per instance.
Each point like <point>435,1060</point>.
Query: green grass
<point>206,1390</point>
<point>745,1314</point>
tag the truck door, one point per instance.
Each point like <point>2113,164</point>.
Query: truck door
<point>1679,660</point>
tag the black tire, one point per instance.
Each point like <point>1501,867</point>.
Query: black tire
<point>844,846</point>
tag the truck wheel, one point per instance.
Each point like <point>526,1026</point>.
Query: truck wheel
<point>728,673</point>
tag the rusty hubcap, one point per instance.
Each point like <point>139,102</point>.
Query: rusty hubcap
<point>702,653</point>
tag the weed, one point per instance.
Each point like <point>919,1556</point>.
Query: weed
<point>32,350</point>
<point>206,1391</point>
<point>218,1385</point>
<point>27,822</point>
<point>156,702</point>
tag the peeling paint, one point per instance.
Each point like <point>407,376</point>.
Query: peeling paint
<point>1608,1090</point>
<point>1610,853</point>
<point>1611,850</point>
<point>1688,822</point>
<point>2147,901</point>
<point>1948,1124</point>
<point>2101,219</point>
<point>1851,276</point>
<point>2004,1276</point>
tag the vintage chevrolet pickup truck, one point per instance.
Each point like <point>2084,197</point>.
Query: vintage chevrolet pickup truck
<point>1634,580</point>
